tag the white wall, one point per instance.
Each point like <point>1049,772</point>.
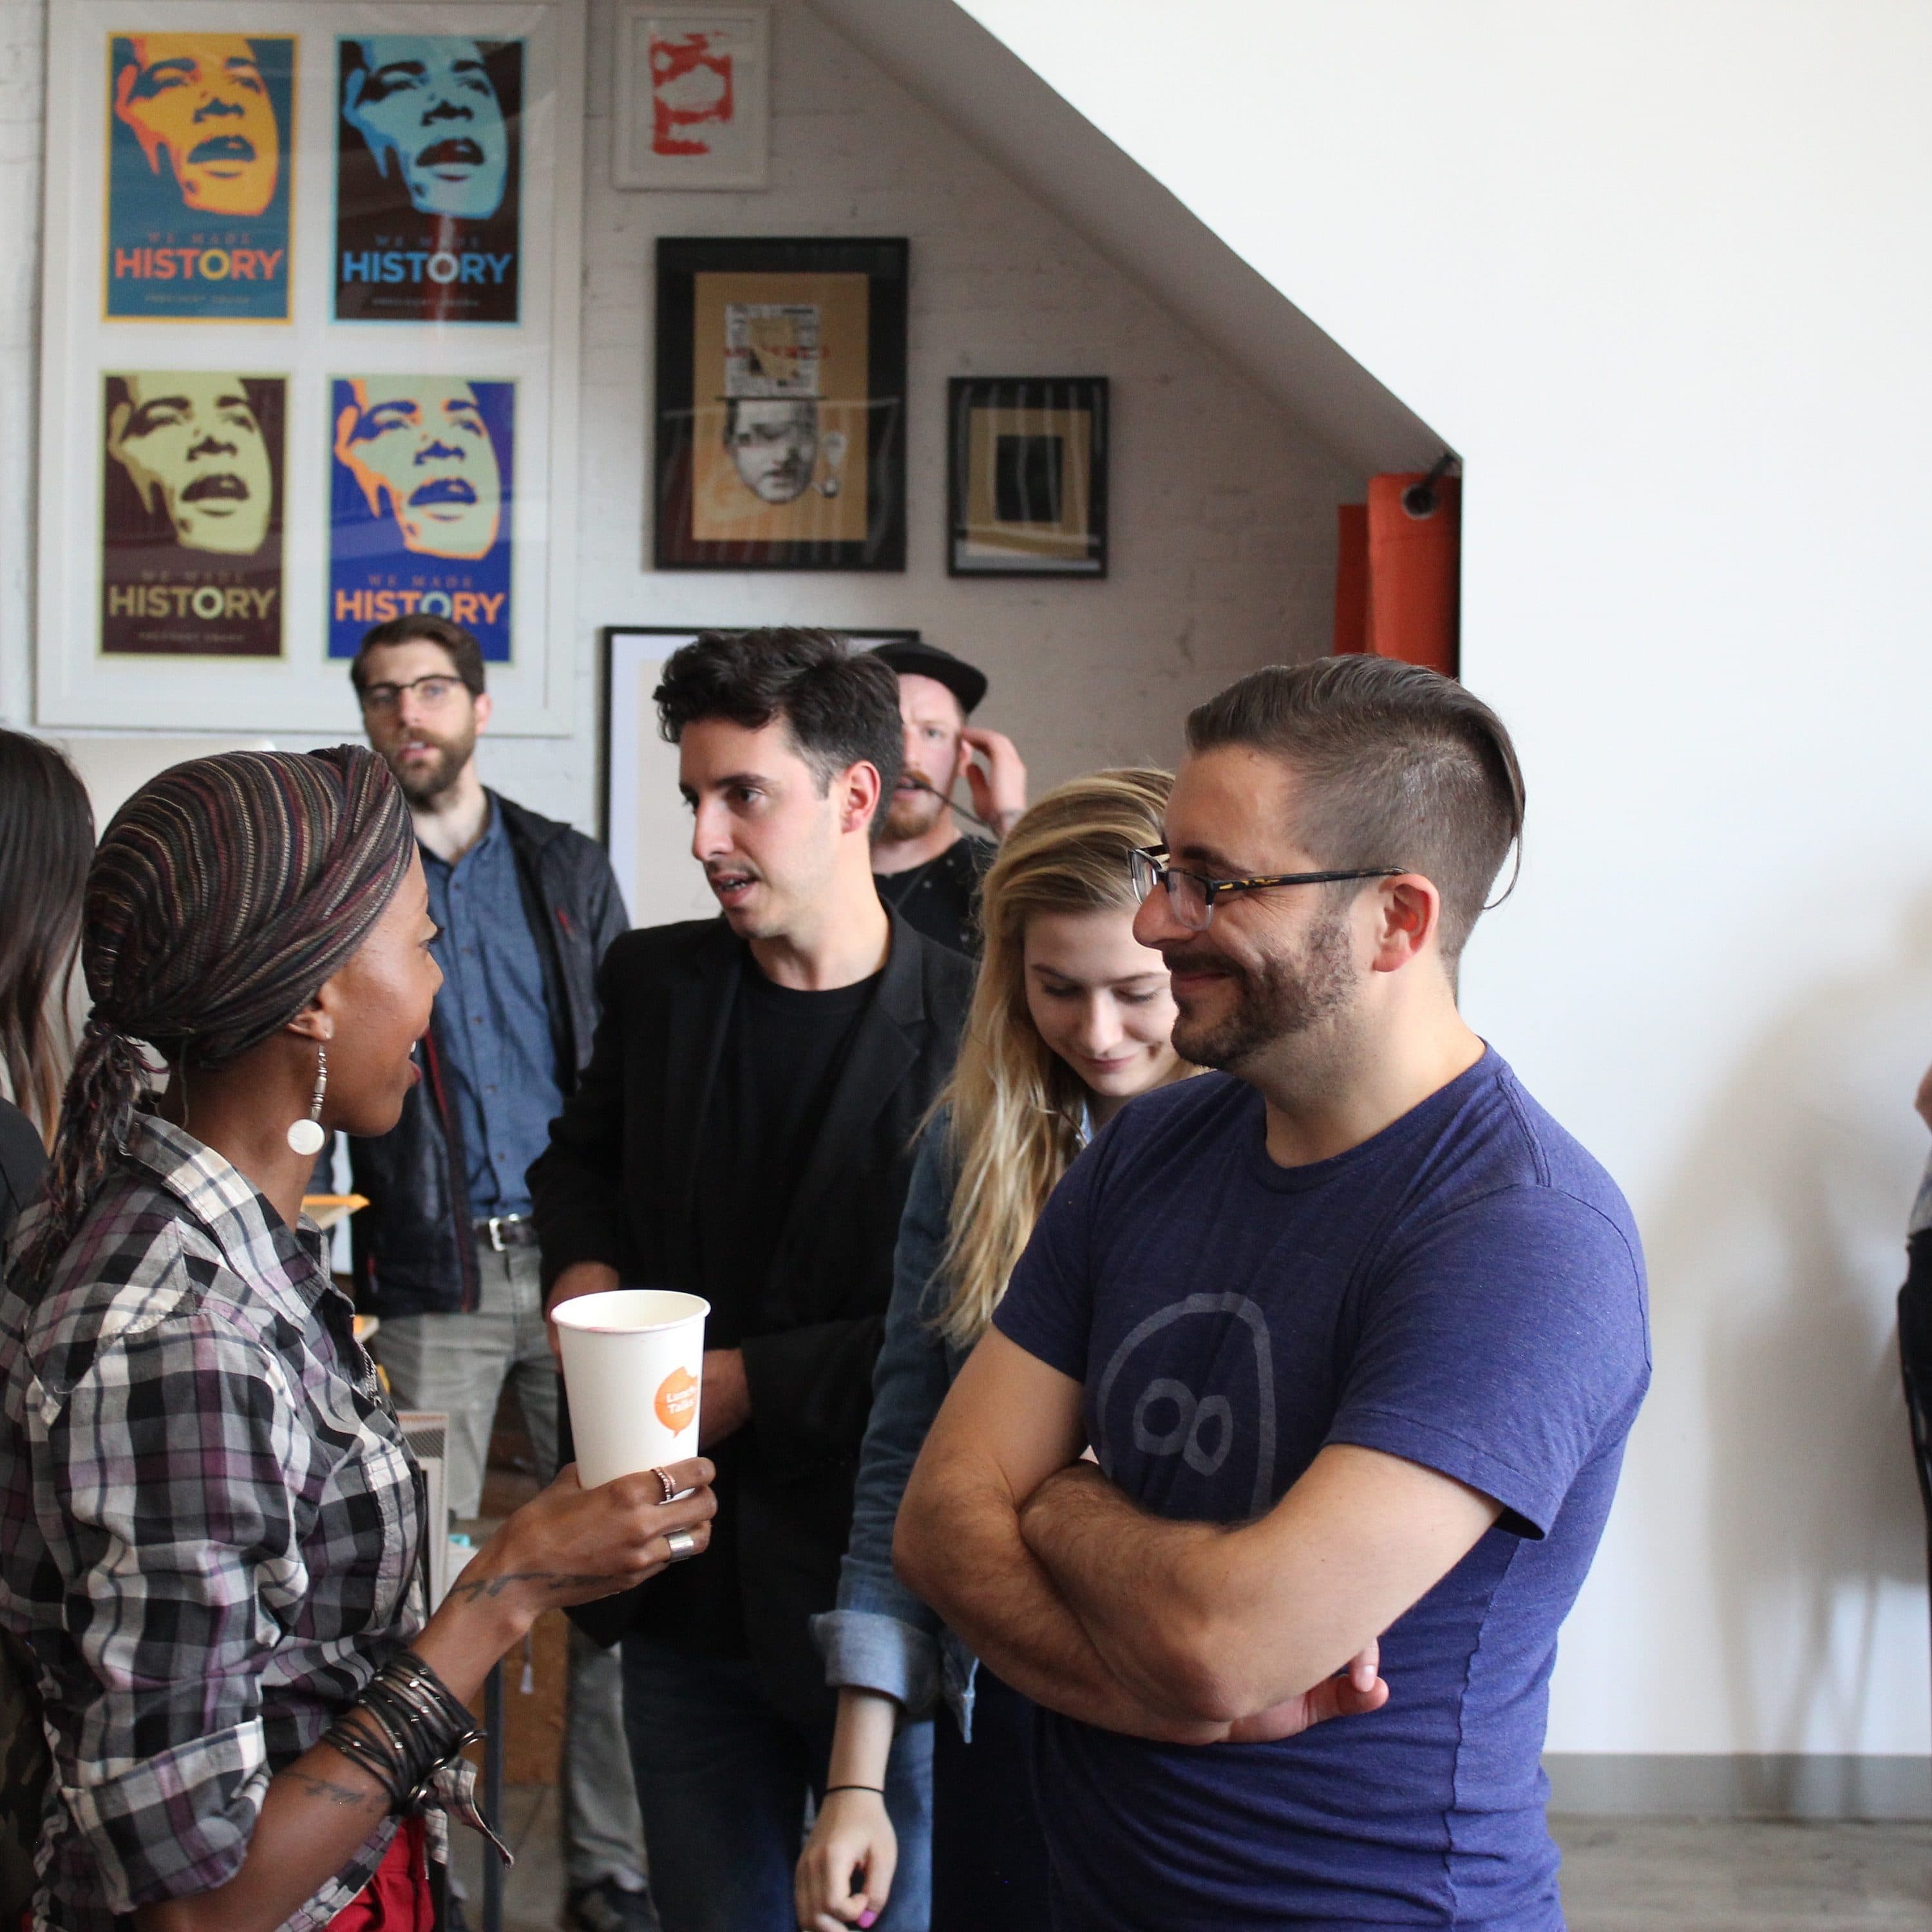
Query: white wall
<point>1663,273</point>
<point>1223,511</point>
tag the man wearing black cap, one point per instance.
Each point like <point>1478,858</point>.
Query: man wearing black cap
<point>926,868</point>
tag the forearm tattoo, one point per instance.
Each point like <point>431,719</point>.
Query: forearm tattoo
<point>557,1581</point>
<point>332,1793</point>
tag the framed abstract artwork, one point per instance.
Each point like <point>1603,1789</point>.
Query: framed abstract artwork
<point>308,353</point>
<point>694,97</point>
<point>781,405</point>
<point>1027,476</point>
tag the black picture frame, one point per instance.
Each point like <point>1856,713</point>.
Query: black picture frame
<point>697,496</point>
<point>1052,460</point>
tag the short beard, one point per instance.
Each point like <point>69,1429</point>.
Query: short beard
<point>1276,1000</point>
<point>912,814</point>
<point>424,787</point>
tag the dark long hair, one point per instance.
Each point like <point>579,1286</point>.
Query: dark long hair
<point>47,837</point>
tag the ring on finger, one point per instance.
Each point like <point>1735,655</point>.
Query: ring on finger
<point>664,1483</point>
<point>682,1544</point>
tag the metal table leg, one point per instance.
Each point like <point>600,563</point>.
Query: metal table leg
<point>493,1797</point>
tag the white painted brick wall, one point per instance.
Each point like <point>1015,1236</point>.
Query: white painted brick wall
<point>1222,510</point>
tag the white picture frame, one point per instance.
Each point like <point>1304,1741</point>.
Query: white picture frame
<point>694,97</point>
<point>302,690</point>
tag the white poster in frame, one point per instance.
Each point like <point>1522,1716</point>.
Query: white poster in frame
<point>694,97</point>
<point>201,317</point>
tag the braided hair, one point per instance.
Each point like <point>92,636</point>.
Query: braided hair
<point>223,895</point>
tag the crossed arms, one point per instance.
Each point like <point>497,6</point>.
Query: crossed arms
<point>1188,1633</point>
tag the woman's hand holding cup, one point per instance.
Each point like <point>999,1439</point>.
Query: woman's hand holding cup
<point>572,1545</point>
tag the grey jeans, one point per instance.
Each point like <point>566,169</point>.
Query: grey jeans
<point>457,1364</point>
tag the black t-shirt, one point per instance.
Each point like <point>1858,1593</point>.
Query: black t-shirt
<point>941,898</point>
<point>782,1053</point>
<point>22,1162</point>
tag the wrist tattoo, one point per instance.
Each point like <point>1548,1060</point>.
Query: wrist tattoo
<point>548,1579</point>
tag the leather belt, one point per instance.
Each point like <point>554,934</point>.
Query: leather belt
<point>507,1230</point>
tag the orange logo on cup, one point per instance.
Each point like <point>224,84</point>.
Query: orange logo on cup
<point>677,1399</point>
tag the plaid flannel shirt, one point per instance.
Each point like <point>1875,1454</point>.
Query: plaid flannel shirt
<point>208,1528</point>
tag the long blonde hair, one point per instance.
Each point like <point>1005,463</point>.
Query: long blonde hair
<point>1017,1107</point>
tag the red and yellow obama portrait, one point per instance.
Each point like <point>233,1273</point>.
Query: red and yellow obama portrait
<point>199,102</point>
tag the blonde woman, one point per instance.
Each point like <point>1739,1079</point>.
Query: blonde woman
<point>1071,1019</point>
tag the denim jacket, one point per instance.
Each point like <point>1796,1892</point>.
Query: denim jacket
<point>881,1637</point>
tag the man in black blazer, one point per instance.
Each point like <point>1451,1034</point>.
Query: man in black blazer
<point>745,1131</point>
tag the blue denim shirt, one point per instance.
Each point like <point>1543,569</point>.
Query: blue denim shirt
<point>494,1023</point>
<point>881,1637</point>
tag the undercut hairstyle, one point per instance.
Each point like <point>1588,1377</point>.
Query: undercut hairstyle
<point>1399,767</point>
<point>840,707</point>
<point>465,654</point>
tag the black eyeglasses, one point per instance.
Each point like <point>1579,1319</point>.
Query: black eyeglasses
<point>435,690</point>
<point>1191,897</point>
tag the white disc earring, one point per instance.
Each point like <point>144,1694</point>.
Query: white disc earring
<point>307,1137</point>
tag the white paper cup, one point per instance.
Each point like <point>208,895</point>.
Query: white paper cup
<point>633,1364</point>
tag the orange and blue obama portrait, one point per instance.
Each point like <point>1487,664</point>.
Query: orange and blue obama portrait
<point>198,177</point>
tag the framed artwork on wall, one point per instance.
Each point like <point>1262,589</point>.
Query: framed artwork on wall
<point>645,826</point>
<point>1026,476</point>
<point>694,97</point>
<point>781,405</point>
<point>315,369</point>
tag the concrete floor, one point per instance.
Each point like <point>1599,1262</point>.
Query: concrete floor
<point>1619,1874</point>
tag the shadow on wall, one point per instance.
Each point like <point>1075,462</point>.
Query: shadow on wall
<point>1789,1218</point>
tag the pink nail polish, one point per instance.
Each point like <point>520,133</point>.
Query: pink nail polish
<point>865,1919</point>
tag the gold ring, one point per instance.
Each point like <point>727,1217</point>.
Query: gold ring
<point>664,1483</point>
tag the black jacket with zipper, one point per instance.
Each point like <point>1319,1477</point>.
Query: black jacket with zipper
<point>618,1185</point>
<point>414,1251</point>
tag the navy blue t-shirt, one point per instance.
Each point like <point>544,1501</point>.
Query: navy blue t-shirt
<point>1466,1290</point>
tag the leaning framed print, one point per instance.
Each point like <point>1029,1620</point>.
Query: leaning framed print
<point>309,353</point>
<point>781,405</point>
<point>645,826</point>
<point>694,101</point>
<point>1026,476</point>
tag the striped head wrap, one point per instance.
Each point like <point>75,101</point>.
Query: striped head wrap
<point>223,895</point>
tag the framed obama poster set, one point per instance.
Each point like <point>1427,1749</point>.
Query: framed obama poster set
<point>309,352</point>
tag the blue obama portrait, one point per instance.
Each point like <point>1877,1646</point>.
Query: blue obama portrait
<point>426,107</point>
<point>427,178</point>
<point>420,503</point>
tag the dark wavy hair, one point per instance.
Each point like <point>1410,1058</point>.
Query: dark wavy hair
<point>841,706</point>
<point>1399,767</point>
<point>47,838</point>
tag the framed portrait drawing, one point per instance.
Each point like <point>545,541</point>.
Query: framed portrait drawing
<point>694,97</point>
<point>308,353</point>
<point>1026,467</point>
<point>781,405</point>
<point>645,826</point>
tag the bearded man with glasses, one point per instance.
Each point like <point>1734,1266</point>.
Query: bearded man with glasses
<point>1356,1332</point>
<point>446,1252</point>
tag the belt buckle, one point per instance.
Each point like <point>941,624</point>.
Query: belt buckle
<point>495,1224</point>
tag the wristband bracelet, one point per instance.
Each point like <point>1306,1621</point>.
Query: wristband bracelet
<point>878,1791</point>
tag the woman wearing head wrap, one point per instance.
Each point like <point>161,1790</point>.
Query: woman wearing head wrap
<point>210,1536</point>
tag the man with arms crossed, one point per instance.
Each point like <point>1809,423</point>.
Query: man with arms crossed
<point>1356,1335</point>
